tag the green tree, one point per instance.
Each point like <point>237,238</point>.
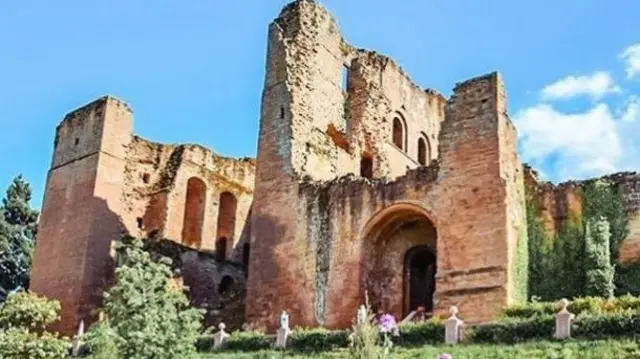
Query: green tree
<point>147,316</point>
<point>18,228</point>
<point>23,317</point>
<point>598,268</point>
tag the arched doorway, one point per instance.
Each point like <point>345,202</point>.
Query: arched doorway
<point>399,260</point>
<point>194,209</point>
<point>419,279</point>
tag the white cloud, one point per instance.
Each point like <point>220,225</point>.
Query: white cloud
<point>631,112</point>
<point>595,85</point>
<point>631,57</point>
<point>580,145</point>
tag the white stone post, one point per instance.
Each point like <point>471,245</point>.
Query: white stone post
<point>77,340</point>
<point>453,327</point>
<point>361,316</point>
<point>563,321</point>
<point>220,338</point>
<point>284,331</point>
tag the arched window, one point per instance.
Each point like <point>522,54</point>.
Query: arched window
<point>221,249</point>
<point>423,151</point>
<point>399,133</point>
<point>194,212</point>
<point>227,216</point>
<point>226,285</point>
<point>366,166</point>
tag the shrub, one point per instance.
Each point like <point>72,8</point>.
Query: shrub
<point>27,310</point>
<point>579,306</point>
<point>23,318</point>
<point>20,343</point>
<point>150,317</point>
<point>317,340</point>
<point>607,326</point>
<point>418,334</point>
<point>249,341</point>
<point>514,331</point>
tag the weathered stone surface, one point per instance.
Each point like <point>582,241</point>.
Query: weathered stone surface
<point>356,167</point>
<point>104,182</point>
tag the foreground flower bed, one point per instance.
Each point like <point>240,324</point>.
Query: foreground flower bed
<point>608,349</point>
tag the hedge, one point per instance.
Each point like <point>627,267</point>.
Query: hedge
<point>509,331</point>
<point>321,340</point>
<point>578,306</point>
<point>513,331</point>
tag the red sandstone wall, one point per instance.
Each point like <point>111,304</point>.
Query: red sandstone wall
<point>103,184</point>
<point>309,247</point>
<point>80,218</point>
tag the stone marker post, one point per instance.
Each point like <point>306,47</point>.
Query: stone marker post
<point>453,327</point>
<point>77,340</point>
<point>220,338</point>
<point>563,321</point>
<point>284,331</point>
<point>361,316</point>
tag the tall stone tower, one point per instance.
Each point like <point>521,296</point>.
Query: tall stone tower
<point>302,92</point>
<point>80,210</point>
<point>359,168</point>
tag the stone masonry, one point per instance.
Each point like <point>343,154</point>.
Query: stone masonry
<point>104,183</point>
<point>365,186</point>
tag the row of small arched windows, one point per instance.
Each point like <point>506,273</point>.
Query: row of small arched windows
<point>399,138</point>
<point>194,213</point>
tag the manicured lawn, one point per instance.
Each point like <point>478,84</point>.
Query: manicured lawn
<point>569,350</point>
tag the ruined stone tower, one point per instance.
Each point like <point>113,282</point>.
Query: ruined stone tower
<point>365,185</point>
<point>362,176</point>
<point>80,212</point>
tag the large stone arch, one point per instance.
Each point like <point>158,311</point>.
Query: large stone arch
<point>396,240</point>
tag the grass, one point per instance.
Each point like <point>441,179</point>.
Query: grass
<point>602,349</point>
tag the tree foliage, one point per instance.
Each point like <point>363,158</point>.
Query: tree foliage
<point>147,316</point>
<point>598,266</point>
<point>23,318</point>
<point>581,259</point>
<point>18,227</point>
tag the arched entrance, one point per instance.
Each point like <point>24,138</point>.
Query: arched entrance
<point>419,279</point>
<point>399,260</point>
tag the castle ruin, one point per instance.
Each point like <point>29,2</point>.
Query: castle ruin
<point>364,184</point>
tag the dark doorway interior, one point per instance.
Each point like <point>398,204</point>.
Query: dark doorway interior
<point>420,274</point>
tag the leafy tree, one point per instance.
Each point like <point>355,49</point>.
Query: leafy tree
<point>23,318</point>
<point>147,316</point>
<point>18,228</point>
<point>598,268</point>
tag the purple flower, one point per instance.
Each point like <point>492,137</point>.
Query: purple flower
<point>445,356</point>
<point>387,324</point>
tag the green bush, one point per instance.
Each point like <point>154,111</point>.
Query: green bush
<point>23,318</point>
<point>579,306</point>
<point>317,340</point>
<point>418,334</point>
<point>27,310</point>
<point>625,324</point>
<point>514,331</point>
<point>20,343</point>
<point>148,317</point>
<point>249,341</point>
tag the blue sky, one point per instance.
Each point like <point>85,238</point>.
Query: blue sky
<point>193,70</point>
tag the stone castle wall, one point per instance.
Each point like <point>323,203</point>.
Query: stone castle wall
<point>356,165</point>
<point>105,183</point>
<point>310,249</point>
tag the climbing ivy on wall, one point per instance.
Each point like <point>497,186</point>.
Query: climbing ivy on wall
<point>580,262</point>
<point>519,267</point>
